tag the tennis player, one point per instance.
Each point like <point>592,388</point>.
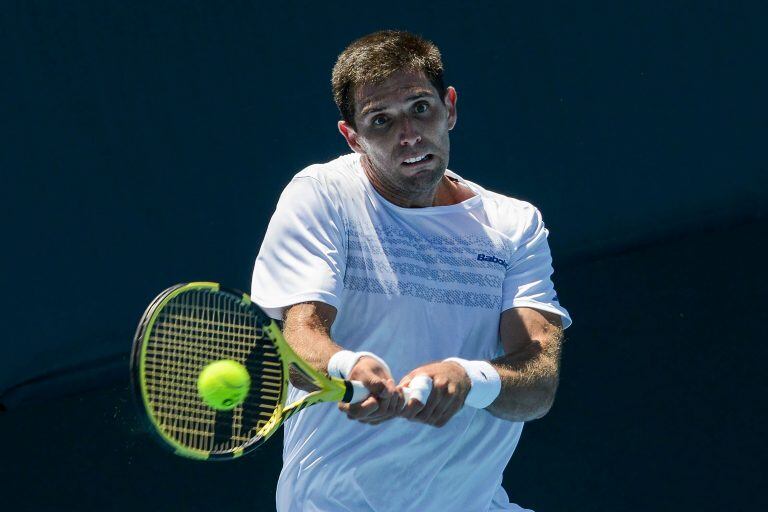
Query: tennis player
<point>385,265</point>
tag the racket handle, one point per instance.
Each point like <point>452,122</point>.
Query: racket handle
<point>419,388</point>
<point>359,391</point>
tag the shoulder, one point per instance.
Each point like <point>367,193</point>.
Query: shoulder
<point>513,217</point>
<point>321,190</point>
<point>518,219</point>
<point>333,177</point>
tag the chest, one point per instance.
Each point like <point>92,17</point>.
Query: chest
<point>454,259</point>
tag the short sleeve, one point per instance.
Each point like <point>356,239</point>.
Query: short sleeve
<point>528,279</point>
<point>302,257</point>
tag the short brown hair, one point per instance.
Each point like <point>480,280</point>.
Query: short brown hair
<point>375,57</point>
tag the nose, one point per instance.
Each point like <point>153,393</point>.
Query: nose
<point>408,135</point>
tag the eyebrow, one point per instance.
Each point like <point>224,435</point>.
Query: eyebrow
<point>371,109</point>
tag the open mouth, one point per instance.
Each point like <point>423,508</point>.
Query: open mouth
<point>417,160</point>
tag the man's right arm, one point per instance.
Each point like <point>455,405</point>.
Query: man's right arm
<point>307,328</point>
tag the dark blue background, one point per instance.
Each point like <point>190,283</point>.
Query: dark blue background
<point>146,144</point>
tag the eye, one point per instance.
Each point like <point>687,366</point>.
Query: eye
<point>421,107</point>
<point>379,121</point>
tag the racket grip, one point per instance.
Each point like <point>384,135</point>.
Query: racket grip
<point>419,388</point>
<point>359,391</point>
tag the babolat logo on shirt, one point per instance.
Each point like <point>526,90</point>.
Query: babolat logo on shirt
<point>492,259</point>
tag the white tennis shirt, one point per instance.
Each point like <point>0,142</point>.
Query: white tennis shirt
<point>413,285</point>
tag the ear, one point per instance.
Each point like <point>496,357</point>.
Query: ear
<point>450,105</point>
<point>350,136</point>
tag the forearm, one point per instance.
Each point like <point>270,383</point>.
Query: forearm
<point>529,379</point>
<point>307,330</point>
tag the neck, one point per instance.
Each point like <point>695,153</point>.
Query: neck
<point>452,192</point>
<point>444,192</point>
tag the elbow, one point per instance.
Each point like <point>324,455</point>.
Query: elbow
<point>544,407</point>
<point>545,400</point>
<point>528,404</point>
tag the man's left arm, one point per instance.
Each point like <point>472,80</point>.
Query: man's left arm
<point>530,366</point>
<point>528,370</point>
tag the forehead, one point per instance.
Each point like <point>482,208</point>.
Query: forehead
<point>400,85</point>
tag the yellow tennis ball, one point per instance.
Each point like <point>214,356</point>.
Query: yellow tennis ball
<point>224,384</point>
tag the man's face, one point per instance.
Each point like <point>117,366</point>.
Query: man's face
<point>397,121</point>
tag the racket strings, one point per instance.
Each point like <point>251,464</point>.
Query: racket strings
<point>300,379</point>
<point>194,329</point>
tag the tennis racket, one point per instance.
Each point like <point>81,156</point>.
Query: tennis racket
<point>191,325</point>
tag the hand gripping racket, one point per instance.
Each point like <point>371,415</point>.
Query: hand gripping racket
<point>191,325</point>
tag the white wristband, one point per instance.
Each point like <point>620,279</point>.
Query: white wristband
<point>341,363</point>
<point>486,382</point>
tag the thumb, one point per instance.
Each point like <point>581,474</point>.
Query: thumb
<point>378,386</point>
<point>406,380</point>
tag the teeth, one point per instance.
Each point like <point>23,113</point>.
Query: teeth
<point>416,159</point>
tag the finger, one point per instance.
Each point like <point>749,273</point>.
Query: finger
<point>405,381</point>
<point>400,403</point>
<point>414,399</point>
<point>363,409</point>
<point>391,393</point>
<point>439,410</point>
<point>396,404</point>
<point>446,404</point>
<point>411,409</point>
<point>420,387</point>
<point>386,399</point>
<point>372,422</point>
<point>389,407</point>
<point>381,387</point>
<point>378,422</point>
<point>440,419</point>
<point>375,421</point>
<point>450,413</point>
<point>426,414</point>
<point>380,416</point>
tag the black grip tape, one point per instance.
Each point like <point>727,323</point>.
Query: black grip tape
<point>348,392</point>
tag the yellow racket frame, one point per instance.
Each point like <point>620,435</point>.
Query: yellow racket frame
<point>328,389</point>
